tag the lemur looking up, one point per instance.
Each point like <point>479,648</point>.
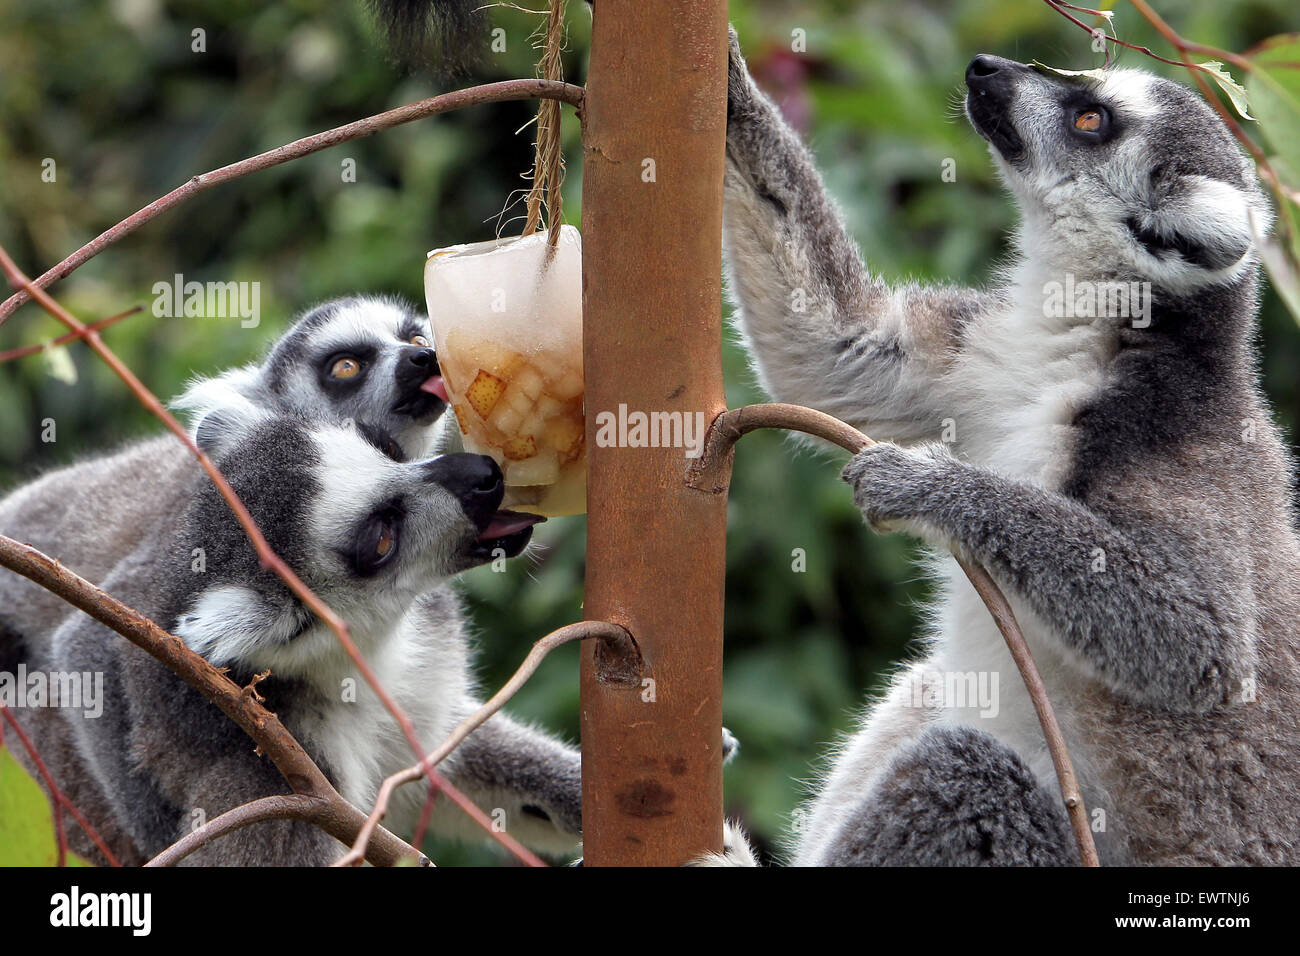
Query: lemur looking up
<point>1119,475</point>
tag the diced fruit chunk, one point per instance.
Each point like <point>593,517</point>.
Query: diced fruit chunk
<point>484,392</point>
<point>520,447</point>
<point>460,418</point>
<point>568,385</point>
<point>528,381</point>
<point>505,418</point>
<point>565,435</point>
<point>540,469</point>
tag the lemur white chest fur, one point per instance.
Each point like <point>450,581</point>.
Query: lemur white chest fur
<point>1020,380</point>
<point>427,675</point>
<point>1018,385</point>
<point>1091,465</point>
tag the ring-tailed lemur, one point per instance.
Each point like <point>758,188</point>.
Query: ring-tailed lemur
<point>99,514</point>
<point>369,532</point>
<point>1092,430</point>
<point>361,358</point>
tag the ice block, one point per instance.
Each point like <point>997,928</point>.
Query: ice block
<point>507,327</point>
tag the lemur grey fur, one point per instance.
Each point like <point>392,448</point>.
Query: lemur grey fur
<point>369,532</point>
<point>1121,478</point>
<point>108,517</point>
<point>94,513</point>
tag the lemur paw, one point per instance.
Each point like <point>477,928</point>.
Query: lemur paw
<point>892,484</point>
<point>736,850</point>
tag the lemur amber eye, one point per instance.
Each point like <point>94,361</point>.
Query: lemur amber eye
<point>345,368</point>
<point>385,542</point>
<point>1089,121</point>
<point>420,340</point>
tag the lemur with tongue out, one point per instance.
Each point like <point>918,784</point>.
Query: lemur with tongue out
<point>329,442</point>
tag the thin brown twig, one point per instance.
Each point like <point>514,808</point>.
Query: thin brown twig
<point>264,727</point>
<point>1184,45</point>
<point>504,91</point>
<point>1062,10</point>
<point>265,554</point>
<point>426,815</point>
<point>711,473</point>
<point>580,631</point>
<point>99,326</point>
<point>56,792</point>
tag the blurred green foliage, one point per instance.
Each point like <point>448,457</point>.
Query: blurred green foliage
<point>113,93</point>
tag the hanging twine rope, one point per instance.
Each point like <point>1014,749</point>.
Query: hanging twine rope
<point>548,161</point>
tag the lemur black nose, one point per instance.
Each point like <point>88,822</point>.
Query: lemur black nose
<point>423,358</point>
<point>986,67</point>
<point>983,65</point>
<point>474,479</point>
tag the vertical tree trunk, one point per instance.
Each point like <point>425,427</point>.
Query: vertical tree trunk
<point>654,140</point>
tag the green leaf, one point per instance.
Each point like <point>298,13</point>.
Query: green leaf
<point>1236,92</point>
<point>1275,93</point>
<point>26,821</point>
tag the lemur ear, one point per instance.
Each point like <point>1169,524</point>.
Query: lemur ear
<point>220,428</point>
<point>219,408</point>
<point>1202,223</point>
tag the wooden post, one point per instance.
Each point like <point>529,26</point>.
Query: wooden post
<point>653,145</point>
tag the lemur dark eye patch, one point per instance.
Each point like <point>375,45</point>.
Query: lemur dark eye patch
<point>1090,122</point>
<point>383,440</point>
<point>346,367</point>
<point>377,540</point>
<point>413,329</point>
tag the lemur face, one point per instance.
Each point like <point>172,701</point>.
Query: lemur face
<point>365,359</point>
<point>364,528</point>
<point>1119,172</point>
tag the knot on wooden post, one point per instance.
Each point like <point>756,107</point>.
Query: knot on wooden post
<point>619,661</point>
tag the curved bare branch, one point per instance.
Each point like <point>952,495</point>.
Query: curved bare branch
<point>580,631</point>
<point>711,473</point>
<point>264,727</point>
<point>500,92</point>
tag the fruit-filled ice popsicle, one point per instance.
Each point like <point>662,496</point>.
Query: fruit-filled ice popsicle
<point>507,327</point>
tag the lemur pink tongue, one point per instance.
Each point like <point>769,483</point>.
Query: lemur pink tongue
<point>508,522</point>
<point>436,386</point>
